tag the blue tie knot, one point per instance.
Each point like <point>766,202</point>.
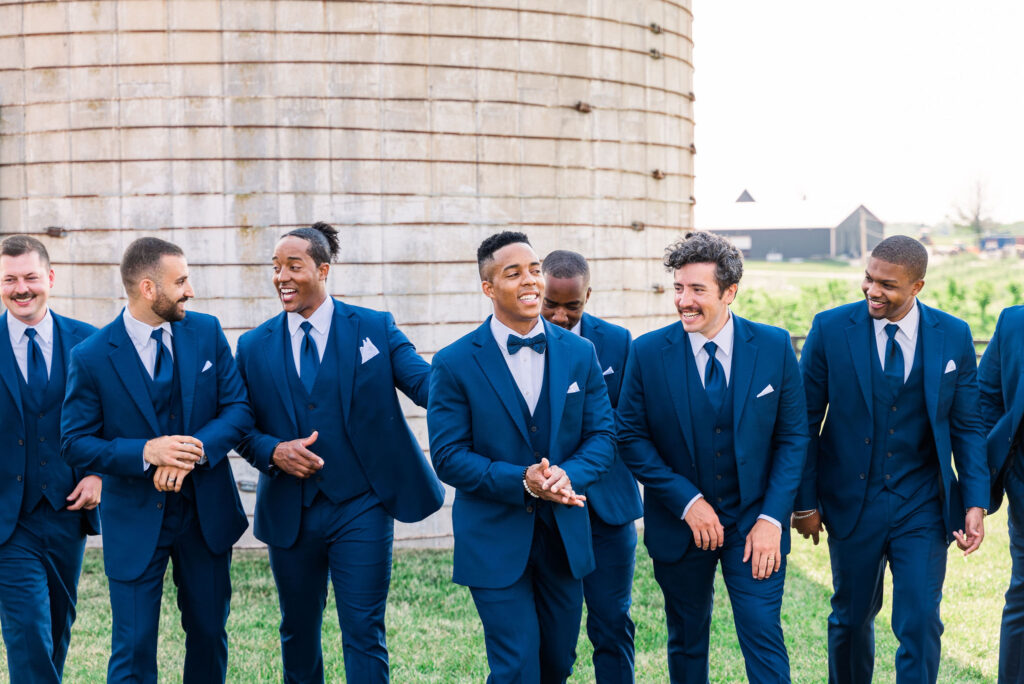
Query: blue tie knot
<point>158,335</point>
<point>30,333</point>
<point>306,326</point>
<point>891,329</point>
<point>710,347</point>
<point>537,343</point>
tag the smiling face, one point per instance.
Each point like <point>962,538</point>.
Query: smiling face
<point>514,285</point>
<point>889,289</point>
<point>301,284</point>
<point>564,299</point>
<point>171,288</point>
<point>702,307</point>
<point>26,281</point>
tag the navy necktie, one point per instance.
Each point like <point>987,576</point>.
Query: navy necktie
<point>163,369</point>
<point>309,358</point>
<point>894,367</point>
<point>37,375</point>
<point>714,377</point>
<point>537,343</point>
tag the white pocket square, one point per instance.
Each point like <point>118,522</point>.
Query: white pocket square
<point>573,388</point>
<point>767,390</point>
<point>950,367</point>
<point>608,371</point>
<point>206,367</point>
<point>367,350</point>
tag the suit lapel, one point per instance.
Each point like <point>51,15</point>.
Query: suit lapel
<point>558,376</point>
<point>68,339</point>
<point>494,368</point>
<point>677,370</point>
<point>9,365</point>
<point>859,337</point>
<point>185,346</point>
<point>344,336</point>
<point>128,367</point>
<point>590,330</point>
<point>744,358</point>
<point>933,348</point>
<point>275,357</point>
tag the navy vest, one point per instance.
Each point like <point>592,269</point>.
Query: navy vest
<point>46,475</point>
<point>342,476</point>
<point>538,426</point>
<point>168,409</point>
<point>903,456</point>
<point>714,441</point>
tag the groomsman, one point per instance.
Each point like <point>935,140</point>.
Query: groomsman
<point>521,427</point>
<point>46,508</point>
<point>1001,377</point>
<point>337,460</point>
<point>154,403</point>
<point>712,423</point>
<point>892,390</point>
<point>614,500</point>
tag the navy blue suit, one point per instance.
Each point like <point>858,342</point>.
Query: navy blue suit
<point>879,470</point>
<point>41,542</point>
<point>1001,379</point>
<point>108,417</point>
<point>374,471</point>
<point>745,459</point>
<point>522,558</point>
<point>614,504</point>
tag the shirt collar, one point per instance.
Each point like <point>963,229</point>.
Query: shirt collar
<point>319,319</point>
<point>578,328</point>
<point>140,332</point>
<point>723,339</point>
<point>44,328</point>
<point>908,325</point>
<point>502,331</point>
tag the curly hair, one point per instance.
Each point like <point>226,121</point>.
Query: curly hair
<point>699,247</point>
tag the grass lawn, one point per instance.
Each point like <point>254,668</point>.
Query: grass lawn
<point>434,634</point>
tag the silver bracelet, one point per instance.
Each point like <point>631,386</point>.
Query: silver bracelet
<point>808,514</point>
<point>527,487</point>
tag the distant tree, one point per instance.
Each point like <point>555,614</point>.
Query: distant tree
<point>973,212</point>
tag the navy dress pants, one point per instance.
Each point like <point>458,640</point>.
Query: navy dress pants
<point>1011,633</point>
<point>39,568</point>
<point>608,591</point>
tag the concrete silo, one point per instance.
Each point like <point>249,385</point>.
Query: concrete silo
<point>417,127</point>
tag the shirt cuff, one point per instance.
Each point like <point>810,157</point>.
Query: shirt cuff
<point>690,505</point>
<point>770,519</point>
<point>145,466</point>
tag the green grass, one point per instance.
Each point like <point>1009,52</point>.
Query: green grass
<point>434,634</point>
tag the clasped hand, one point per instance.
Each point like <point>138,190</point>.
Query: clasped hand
<point>294,458</point>
<point>175,456</point>
<point>550,482</point>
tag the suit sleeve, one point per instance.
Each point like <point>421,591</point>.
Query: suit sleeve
<point>234,415</point>
<point>450,424</point>
<point>789,442</point>
<point>255,447</point>
<point>636,447</point>
<point>597,447</point>
<point>81,426</point>
<point>411,372</point>
<point>990,380</point>
<point>966,431</point>
<point>814,372</point>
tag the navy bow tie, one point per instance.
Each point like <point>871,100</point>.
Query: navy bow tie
<point>538,343</point>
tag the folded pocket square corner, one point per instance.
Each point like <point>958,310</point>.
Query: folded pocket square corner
<point>206,366</point>
<point>367,351</point>
<point>608,371</point>
<point>767,390</point>
<point>573,388</point>
<point>950,367</point>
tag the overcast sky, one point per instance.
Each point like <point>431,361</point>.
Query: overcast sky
<point>898,105</point>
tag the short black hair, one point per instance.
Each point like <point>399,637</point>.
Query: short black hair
<point>142,258</point>
<point>699,247</point>
<point>904,251</point>
<point>16,245</point>
<point>323,241</point>
<point>485,252</point>
<point>563,263</point>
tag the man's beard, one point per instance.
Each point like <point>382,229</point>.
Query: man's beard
<point>167,308</point>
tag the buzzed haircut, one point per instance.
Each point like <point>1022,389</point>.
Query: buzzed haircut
<point>904,251</point>
<point>323,241</point>
<point>142,259</point>
<point>699,247</point>
<point>16,245</point>
<point>485,252</point>
<point>563,263</point>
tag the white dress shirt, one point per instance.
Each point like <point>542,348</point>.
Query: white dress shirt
<point>19,341</point>
<point>320,320</point>
<point>145,345</point>
<point>906,337</point>
<point>526,366</point>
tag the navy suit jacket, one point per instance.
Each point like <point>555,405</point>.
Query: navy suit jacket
<point>836,367</point>
<point>480,446</point>
<point>108,417</point>
<point>12,427</point>
<point>656,430</point>
<point>614,498</point>
<point>388,452</point>
<point>1001,379</point>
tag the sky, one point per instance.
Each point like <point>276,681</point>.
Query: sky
<point>903,106</point>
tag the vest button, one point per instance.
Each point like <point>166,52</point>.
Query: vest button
<point>867,440</point>
<point>172,416</point>
<point>42,415</point>
<point>21,442</point>
<point>719,499</point>
<point>718,454</point>
<point>718,477</point>
<point>529,509</point>
<point>888,454</point>
<point>888,476</point>
<point>536,455</point>
<point>892,431</point>
<point>160,505</point>
<point>311,406</point>
<point>893,408</point>
<point>718,431</point>
<point>44,485</point>
<point>862,476</point>
<point>19,478</point>
<point>42,439</point>
<point>42,463</point>
<point>533,428</point>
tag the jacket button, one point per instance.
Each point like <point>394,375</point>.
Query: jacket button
<point>160,505</point>
<point>311,406</point>
<point>533,428</point>
<point>718,477</point>
<point>893,408</point>
<point>19,478</point>
<point>536,455</point>
<point>862,476</point>
<point>172,416</point>
<point>529,509</point>
<point>888,476</point>
<point>718,431</point>
<point>718,454</point>
<point>42,415</point>
<point>888,454</point>
<point>21,442</point>
<point>44,486</point>
<point>867,440</point>
<point>892,431</point>
<point>42,439</point>
<point>42,463</point>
